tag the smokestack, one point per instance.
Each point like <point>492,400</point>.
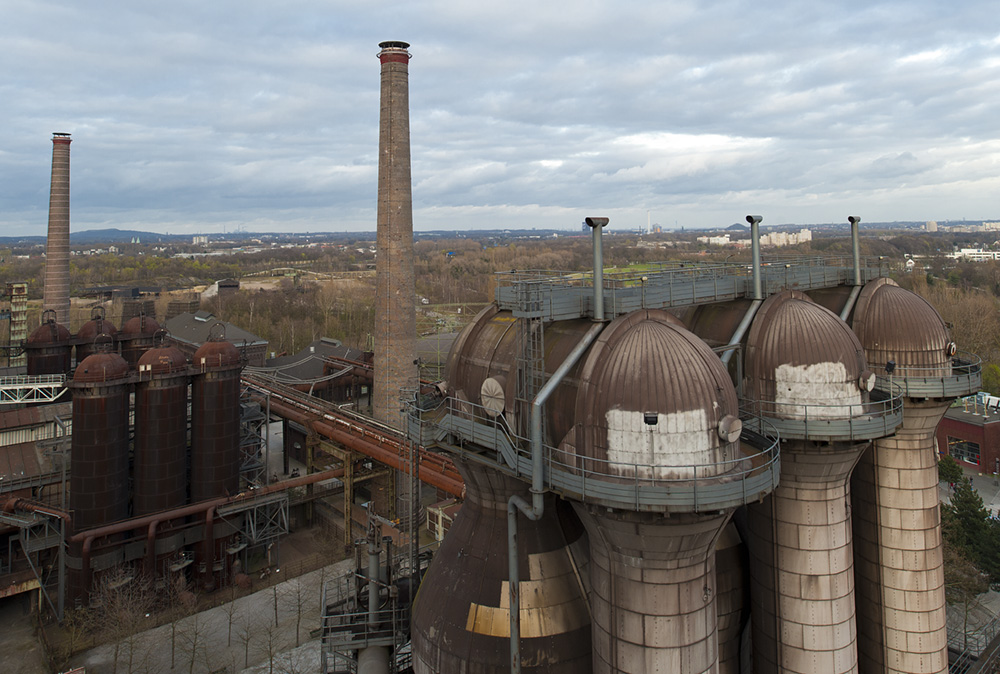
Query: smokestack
<point>56,294</point>
<point>396,331</point>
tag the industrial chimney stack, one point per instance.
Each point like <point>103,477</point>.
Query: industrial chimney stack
<point>56,294</point>
<point>395,332</point>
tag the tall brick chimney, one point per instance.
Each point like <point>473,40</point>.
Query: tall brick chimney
<point>396,331</point>
<point>56,293</point>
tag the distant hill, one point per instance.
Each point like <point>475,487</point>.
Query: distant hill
<point>98,236</point>
<point>737,227</point>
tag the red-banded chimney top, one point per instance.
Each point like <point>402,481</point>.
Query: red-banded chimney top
<point>58,137</point>
<point>394,52</point>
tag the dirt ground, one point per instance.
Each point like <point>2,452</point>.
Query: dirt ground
<point>21,651</point>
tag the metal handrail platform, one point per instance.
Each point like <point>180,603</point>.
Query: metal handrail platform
<point>556,295</point>
<point>964,377</point>
<point>877,418</point>
<point>689,488</point>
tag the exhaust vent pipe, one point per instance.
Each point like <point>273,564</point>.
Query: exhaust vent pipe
<point>596,224</point>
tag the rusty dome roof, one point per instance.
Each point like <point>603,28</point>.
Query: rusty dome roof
<point>139,325</point>
<point>162,360</point>
<point>100,367</point>
<point>96,326</point>
<point>895,324</point>
<point>800,353</point>
<point>48,332</point>
<point>217,353</point>
<point>651,400</point>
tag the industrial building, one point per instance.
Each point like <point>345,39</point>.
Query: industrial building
<point>692,468</point>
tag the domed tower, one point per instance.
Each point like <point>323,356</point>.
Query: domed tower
<point>897,521</point>
<point>99,464</point>
<point>215,418</point>
<point>471,631</point>
<point>48,349</point>
<point>657,420</point>
<point>806,372</point>
<point>161,399</point>
<point>136,338</point>
<point>91,330</point>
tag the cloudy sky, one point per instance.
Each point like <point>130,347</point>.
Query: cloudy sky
<point>203,116</point>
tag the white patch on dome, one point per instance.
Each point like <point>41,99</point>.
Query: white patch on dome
<point>817,391</point>
<point>668,449</point>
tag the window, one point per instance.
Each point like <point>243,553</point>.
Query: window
<point>963,450</point>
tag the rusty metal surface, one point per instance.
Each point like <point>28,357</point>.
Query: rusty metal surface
<point>99,463</point>
<point>653,394</point>
<point>461,617</point>
<point>215,421</point>
<point>896,324</point>
<point>160,462</point>
<point>487,348</point>
<point>136,337</point>
<point>716,323</point>
<point>49,349</point>
<point>799,353</point>
<point>97,325</point>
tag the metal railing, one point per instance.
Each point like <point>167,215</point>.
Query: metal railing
<point>32,388</point>
<point>739,476</point>
<point>964,376</point>
<point>877,418</point>
<point>565,295</point>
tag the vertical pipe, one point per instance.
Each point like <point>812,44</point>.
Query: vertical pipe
<point>855,247</point>
<point>596,224</point>
<point>537,508</point>
<point>754,221</point>
<point>56,292</point>
<point>373,559</point>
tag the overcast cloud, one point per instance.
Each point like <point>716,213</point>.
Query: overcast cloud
<point>192,117</point>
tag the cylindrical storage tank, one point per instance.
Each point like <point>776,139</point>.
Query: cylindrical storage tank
<point>161,400</point>
<point>48,349</point>
<point>90,331</point>
<point>482,367</point>
<point>654,406</point>
<point>806,371</point>
<point>136,338</point>
<point>461,617</point>
<point>897,518</point>
<point>99,464</point>
<point>215,419</point>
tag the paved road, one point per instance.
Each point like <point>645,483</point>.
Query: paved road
<point>202,643</point>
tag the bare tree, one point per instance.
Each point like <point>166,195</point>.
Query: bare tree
<point>246,635</point>
<point>122,601</point>
<point>268,645</point>
<point>230,609</point>
<point>193,636</point>
<point>299,597</point>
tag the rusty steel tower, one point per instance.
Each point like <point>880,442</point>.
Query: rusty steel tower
<point>395,330</point>
<point>56,296</point>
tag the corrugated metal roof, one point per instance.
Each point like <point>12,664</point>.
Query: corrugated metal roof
<point>899,325</point>
<point>801,352</point>
<point>647,379</point>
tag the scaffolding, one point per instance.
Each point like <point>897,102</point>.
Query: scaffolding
<point>254,435</point>
<point>18,329</point>
<point>368,608</point>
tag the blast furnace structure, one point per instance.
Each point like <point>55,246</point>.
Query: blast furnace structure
<point>656,431</point>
